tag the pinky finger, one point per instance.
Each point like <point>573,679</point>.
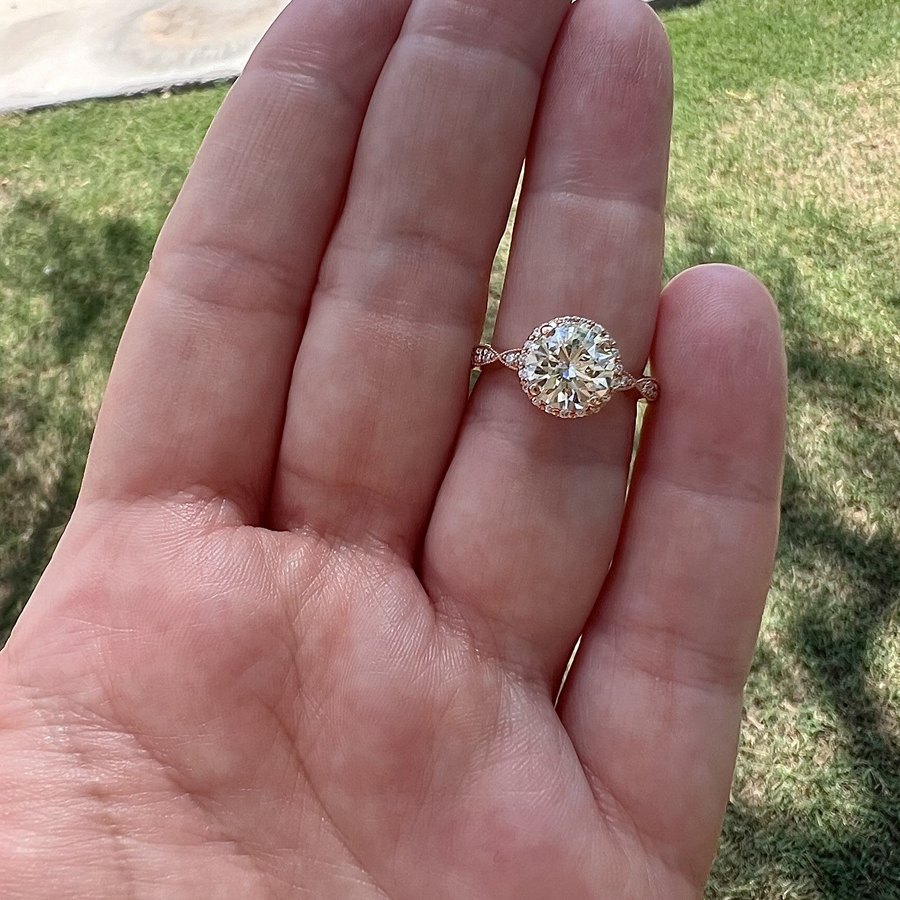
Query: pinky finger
<point>653,704</point>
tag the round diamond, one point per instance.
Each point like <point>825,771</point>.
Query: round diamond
<point>569,367</point>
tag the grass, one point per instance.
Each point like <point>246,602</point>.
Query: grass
<point>787,161</point>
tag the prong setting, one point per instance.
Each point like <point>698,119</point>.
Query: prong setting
<point>569,367</point>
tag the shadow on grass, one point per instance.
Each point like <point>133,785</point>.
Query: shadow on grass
<point>836,642</point>
<point>32,549</point>
<point>833,641</point>
<point>77,280</point>
<point>89,273</point>
<point>673,4</point>
<point>818,849</point>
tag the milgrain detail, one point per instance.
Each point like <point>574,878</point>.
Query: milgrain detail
<point>569,367</point>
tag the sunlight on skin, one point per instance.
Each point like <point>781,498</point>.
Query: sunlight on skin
<point>303,636</point>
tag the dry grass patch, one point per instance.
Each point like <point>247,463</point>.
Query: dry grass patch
<point>837,146</point>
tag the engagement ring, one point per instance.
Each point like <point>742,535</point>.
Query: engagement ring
<point>569,367</point>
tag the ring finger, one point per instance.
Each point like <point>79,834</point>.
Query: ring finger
<point>528,516</point>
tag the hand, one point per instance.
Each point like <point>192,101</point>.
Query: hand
<point>304,634</point>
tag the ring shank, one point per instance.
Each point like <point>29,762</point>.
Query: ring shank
<point>485,355</point>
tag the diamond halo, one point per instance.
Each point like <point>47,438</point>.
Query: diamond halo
<point>569,367</point>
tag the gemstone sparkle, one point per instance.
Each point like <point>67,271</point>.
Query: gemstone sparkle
<point>569,366</point>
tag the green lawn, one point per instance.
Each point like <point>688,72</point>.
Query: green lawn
<point>786,161</point>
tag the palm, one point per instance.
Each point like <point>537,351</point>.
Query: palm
<point>305,631</point>
<point>300,740</point>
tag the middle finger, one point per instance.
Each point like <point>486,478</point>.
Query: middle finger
<point>380,381</point>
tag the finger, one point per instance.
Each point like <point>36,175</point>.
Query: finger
<point>382,374</point>
<point>653,703</point>
<point>528,515</point>
<point>197,395</point>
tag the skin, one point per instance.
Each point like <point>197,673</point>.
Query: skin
<point>306,629</point>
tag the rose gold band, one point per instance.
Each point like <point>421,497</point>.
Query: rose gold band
<point>485,355</point>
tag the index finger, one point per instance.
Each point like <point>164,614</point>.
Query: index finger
<point>196,398</point>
